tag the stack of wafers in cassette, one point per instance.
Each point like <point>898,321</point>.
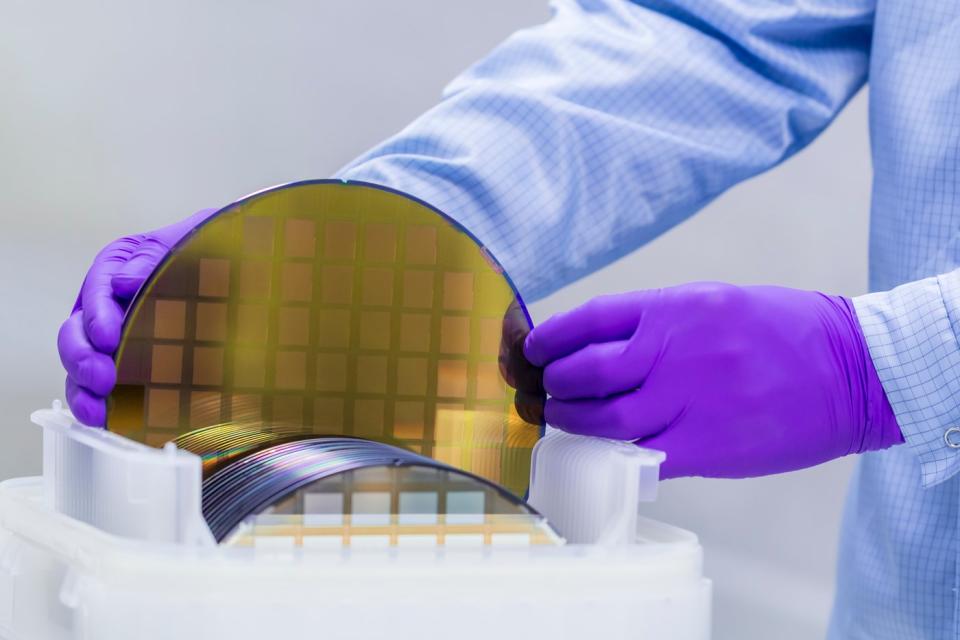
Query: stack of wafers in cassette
<point>326,329</point>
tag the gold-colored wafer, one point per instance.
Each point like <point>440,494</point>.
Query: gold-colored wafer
<point>327,308</point>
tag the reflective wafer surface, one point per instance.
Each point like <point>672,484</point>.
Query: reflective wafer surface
<point>329,308</point>
<point>358,486</point>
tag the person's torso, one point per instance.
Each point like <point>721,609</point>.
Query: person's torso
<point>914,83</point>
<point>898,571</point>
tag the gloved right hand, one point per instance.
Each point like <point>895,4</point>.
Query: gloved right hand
<point>91,334</point>
<point>728,381</point>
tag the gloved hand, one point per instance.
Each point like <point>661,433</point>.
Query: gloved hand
<point>91,334</point>
<point>729,381</point>
<point>516,370</point>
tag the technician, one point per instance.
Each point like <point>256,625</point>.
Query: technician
<point>575,142</point>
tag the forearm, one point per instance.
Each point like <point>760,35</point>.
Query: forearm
<point>575,142</point>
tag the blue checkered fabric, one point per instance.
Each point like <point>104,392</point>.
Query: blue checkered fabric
<point>579,140</point>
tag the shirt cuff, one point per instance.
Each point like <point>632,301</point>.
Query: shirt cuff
<point>911,335</point>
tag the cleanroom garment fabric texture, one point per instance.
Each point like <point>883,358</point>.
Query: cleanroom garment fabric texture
<point>577,141</point>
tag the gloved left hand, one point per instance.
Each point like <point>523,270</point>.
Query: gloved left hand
<point>91,334</point>
<point>728,381</point>
<point>516,370</point>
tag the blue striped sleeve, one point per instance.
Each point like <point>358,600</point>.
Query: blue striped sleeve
<point>579,140</point>
<point>911,332</point>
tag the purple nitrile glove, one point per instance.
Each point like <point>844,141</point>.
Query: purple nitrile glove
<point>729,381</point>
<point>91,334</point>
<point>516,370</point>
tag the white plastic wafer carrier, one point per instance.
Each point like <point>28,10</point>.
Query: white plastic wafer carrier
<point>110,544</point>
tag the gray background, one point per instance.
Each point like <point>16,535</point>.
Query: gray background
<point>121,116</point>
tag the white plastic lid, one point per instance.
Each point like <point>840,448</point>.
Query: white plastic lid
<point>118,485</point>
<point>590,488</point>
